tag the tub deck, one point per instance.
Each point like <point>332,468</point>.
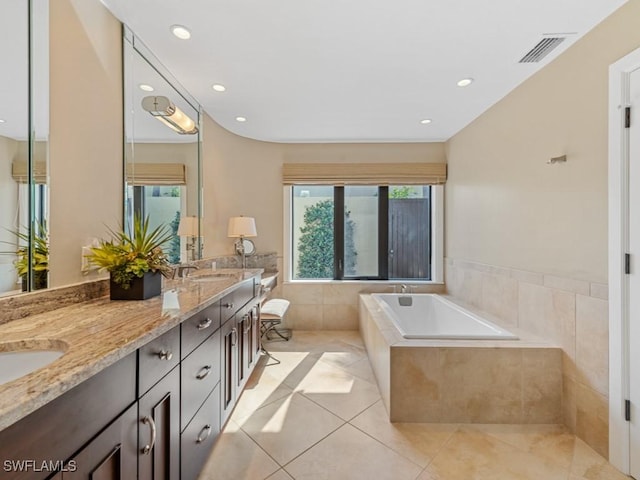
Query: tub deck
<point>462,381</point>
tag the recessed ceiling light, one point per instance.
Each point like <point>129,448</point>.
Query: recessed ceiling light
<point>465,82</point>
<point>145,87</point>
<point>219,88</point>
<point>181,32</point>
<point>241,119</point>
<point>426,121</point>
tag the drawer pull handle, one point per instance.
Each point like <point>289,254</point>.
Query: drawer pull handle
<point>206,431</point>
<point>205,324</point>
<point>204,371</point>
<point>165,355</point>
<point>228,305</point>
<point>152,425</point>
<point>234,337</point>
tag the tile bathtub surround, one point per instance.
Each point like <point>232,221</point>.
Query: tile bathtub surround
<point>332,305</point>
<point>572,314</point>
<point>458,381</point>
<point>281,430</point>
<point>42,301</point>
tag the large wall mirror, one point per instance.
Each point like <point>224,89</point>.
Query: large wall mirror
<point>24,129</point>
<point>162,151</point>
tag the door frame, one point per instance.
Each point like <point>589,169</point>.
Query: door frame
<point>619,428</point>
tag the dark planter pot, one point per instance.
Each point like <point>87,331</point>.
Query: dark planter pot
<point>40,280</point>
<point>150,285</point>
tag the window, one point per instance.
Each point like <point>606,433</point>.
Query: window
<point>362,232</point>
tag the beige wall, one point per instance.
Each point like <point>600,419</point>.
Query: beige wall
<point>86,131</point>
<point>504,205</point>
<point>244,177</point>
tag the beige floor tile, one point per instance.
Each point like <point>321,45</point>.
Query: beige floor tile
<point>473,455</point>
<point>236,457</point>
<point>362,369</point>
<point>349,454</point>
<point>418,442</point>
<point>336,390</point>
<point>287,427</point>
<point>589,465</point>
<point>280,475</point>
<point>551,442</point>
<point>261,389</point>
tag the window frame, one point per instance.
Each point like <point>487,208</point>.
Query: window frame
<point>436,241</point>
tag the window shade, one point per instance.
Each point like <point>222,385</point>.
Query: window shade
<point>364,173</point>
<point>20,172</point>
<point>156,174</point>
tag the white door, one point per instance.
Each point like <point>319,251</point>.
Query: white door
<point>634,277</point>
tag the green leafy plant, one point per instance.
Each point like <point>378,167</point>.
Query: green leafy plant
<point>126,256</point>
<point>40,255</point>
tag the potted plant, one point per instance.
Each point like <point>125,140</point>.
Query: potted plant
<point>39,260</point>
<point>135,262</point>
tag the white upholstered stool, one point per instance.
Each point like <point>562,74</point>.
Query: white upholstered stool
<point>271,315</point>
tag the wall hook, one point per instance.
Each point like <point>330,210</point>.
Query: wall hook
<point>561,159</point>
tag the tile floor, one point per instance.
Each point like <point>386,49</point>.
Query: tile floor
<point>318,415</point>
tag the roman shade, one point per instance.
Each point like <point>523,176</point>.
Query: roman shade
<point>156,174</point>
<point>20,172</point>
<point>364,173</point>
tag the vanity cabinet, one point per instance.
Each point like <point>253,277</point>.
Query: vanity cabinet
<point>154,414</point>
<point>158,427</point>
<point>111,455</point>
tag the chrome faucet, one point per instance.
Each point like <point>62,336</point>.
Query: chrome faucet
<point>403,289</point>
<point>183,270</point>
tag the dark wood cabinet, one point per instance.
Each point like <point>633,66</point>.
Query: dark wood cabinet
<point>159,430</point>
<point>154,414</point>
<point>228,368</point>
<point>200,374</point>
<point>199,436</point>
<point>60,428</point>
<point>109,456</point>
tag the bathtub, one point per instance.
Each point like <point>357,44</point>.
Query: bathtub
<point>427,315</point>
<point>462,368</point>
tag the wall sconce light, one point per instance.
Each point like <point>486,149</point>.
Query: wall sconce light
<point>188,227</point>
<point>164,110</point>
<point>241,227</point>
<point>561,159</point>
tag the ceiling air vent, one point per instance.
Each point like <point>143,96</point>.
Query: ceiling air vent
<point>542,49</point>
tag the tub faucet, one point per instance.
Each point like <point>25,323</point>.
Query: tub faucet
<point>403,288</point>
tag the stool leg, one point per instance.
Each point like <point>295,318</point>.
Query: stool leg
<point>265,352</point>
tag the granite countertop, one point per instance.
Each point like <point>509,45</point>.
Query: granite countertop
<point>97,333</point>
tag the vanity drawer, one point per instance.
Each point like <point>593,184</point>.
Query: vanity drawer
<point>197,439</point>
<point>244,293</point>
<point>196,329</point>
<point>200,373</point>
<point>157,358</point>
<point>228,307</point>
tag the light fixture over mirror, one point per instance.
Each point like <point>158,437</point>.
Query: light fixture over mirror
<point>164,110</point>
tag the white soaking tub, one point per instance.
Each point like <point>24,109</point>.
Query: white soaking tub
<point>426,315</point>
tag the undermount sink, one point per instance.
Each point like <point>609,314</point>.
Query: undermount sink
<point>21,358</point>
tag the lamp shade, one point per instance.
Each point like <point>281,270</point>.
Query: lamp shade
<point>188,227</point>
<point>242,227</point>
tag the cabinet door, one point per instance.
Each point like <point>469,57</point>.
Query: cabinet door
<point>255,318</point>
<point>159,430</point>
<point>243,321</point>
<point>109,456</point>
<point>229,366</point>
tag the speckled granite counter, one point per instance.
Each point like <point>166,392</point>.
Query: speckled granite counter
<point>97,333</point>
